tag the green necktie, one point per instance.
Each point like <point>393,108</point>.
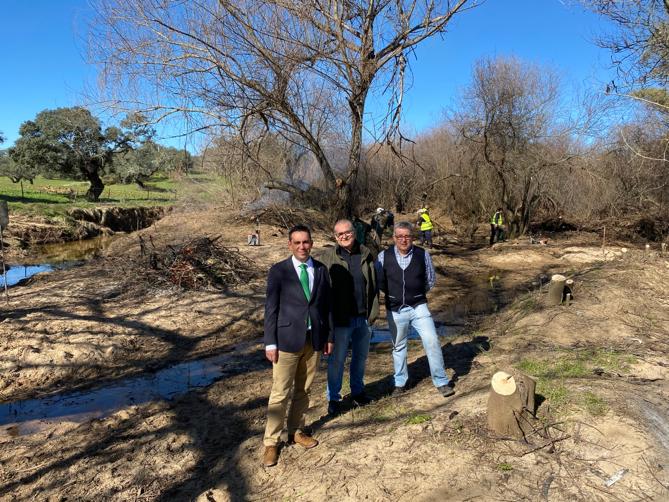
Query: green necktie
<point>304,280</point>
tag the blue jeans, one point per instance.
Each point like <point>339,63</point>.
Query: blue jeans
<point>357,334</point>
<point>421,320</point>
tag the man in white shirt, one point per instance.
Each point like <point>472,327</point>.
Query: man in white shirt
<point>298,324</point>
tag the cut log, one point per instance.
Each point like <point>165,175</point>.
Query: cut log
<point>511,404</point>
<point>556,289</point>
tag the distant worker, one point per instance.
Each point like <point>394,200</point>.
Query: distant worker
<point>496,226</point>
<point>390,221</point>
<point>382,220</point>
<point>379,222</point>
<point>254,238</point>
<point>425,226</point>
<point>363,234</point>
<point>361,229</point>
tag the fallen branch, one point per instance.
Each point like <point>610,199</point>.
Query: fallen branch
<point>549,443</point>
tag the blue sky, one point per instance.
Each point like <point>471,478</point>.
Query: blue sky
<point>555,33</point>
<point>43,54</point>
<point>42,59</point>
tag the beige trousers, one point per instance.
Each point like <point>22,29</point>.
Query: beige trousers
<point>293,371</point>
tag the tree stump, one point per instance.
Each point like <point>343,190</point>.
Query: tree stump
<point>568,291</point>
<point>511,404</point>
<point>556,289</point>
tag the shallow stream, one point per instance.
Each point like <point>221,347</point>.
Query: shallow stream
<point>53,257</point>
<point>34,415</point>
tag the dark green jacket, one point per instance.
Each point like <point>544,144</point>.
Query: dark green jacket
<point>342,286</point>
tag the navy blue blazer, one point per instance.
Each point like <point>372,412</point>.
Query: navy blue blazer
<point>286,308</point>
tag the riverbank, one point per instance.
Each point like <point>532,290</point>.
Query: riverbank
<point>50,211</point>
<point>601,366</point>
<point>27,233</point>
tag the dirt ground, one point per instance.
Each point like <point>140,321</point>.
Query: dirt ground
<point>602,430</point>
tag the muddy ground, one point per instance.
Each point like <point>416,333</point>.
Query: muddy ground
<point>601,366</point>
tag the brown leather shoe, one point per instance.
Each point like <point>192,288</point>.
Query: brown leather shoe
<point>271,456</point>
<point>303,440</point>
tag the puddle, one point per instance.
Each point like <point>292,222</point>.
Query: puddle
<point>17,273</point>
<point>51,257</point>
<point>382,334</point>
<point>35,415</point>
<point>71,251</point>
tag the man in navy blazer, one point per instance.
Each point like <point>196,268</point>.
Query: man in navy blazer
<point>297,327</point>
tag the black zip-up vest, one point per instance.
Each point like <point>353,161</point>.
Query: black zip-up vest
<point>404,287</point>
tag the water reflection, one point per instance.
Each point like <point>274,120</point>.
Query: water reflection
<point>34,415</point>
<point>71,251</point>
<point>58,256</point>
<point>18,273</point>
<point>382,334</point>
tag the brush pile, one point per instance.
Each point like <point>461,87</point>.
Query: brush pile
<point>201,263</point>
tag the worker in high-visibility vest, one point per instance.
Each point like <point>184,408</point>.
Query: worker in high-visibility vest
<point>424,223</point>
<point>496,226</point>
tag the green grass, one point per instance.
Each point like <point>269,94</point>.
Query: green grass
<point>418,418</point>
<point>551,374</point>
<point>610,360</point>
<point>562,367</point>
<point>578,363</point>
<point>387,413</point>
<point>53,197</point>
<point>593,404</point>
<point>504,467</point>
<point>382,411</point>
<point>555,392</point>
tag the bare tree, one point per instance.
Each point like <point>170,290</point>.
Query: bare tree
<point>640,43</point>
<point>393,180</point>
<point>509,117</point>
<point>295,65</point>
<point>454,177</point>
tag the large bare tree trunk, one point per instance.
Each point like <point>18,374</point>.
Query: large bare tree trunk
<point>344,193</point>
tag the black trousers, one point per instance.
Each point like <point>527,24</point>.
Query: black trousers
<point>495,233</point>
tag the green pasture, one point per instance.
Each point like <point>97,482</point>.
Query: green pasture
<point>52,197</point>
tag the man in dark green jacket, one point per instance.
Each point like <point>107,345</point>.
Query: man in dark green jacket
<point>355,307</point>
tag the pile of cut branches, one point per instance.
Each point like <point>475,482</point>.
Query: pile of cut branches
<point>200,264</point>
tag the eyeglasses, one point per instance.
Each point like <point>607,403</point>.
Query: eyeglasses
<point>341,235</point>
<point>403,237</point>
